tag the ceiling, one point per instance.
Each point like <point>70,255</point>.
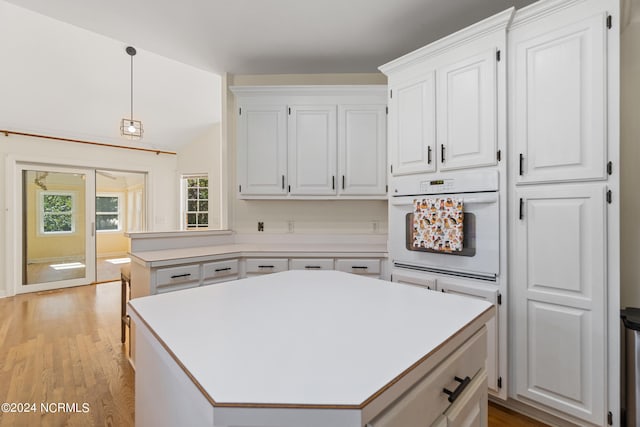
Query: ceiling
<point>274,36</point>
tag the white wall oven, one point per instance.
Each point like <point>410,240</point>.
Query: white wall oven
<point>418,198</point>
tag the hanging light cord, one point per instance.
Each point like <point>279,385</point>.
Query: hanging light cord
<point>131,117</point>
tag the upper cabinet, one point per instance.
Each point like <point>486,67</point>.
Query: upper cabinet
<point>311,142</point>
<point>558,97</point>
<point>447,101</point>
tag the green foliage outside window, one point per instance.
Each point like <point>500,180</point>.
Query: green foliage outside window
<point>197,203</point>
<point>107,213</point>
<point>57,213</point>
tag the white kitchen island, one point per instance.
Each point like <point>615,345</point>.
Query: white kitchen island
<point>310,349</point>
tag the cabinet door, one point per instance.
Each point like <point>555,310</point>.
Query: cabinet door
<point>312,150</point>
<point>412,126</point>
<point>488,293</point>
<point>362,149</point>
<point>467,111</point>
<point>262,150</point>
<point>559,99</point>
<point>471,409</point>
<point>560,295</point>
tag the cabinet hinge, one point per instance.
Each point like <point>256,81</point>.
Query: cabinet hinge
<point>521,213</point>
<point>610,168</point>
<point>386,110</point>
<point>386,188</point>
<point>498,56</point>
<point>289,110</point>
<point>240,111</point>
<point>499,382</point>
<point>390,93</point>
<point>610,418</point>
<point>609,196</point>
<point>289,189</point>
<point>499,155</point>
<point>391,168</point>
<point>239,188</point>
<point>499,299</point>
<point>609,21</point>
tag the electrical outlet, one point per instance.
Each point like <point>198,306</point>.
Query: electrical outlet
<point>374,226</point>
<point>290,226</point>
<point>260,226</point>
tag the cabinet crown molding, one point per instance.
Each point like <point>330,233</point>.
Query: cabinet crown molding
<point>493,24</point>
<point>539,10</point>
<point>308,90</point>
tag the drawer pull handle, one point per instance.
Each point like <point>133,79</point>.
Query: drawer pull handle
<point>223,269</point>
<point>266,266</point>
<point>181,275</point>
<point>312,267</point>
<point>453,395</point>
<point>359,267</point>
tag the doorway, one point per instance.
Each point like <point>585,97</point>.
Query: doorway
<point>73,224</point>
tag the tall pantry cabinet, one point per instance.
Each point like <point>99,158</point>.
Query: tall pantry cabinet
<point>563,65</point>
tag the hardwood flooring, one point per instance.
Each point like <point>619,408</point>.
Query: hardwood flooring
<point>64,347</point>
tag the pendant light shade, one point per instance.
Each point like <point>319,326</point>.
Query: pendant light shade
<point>130,127</point>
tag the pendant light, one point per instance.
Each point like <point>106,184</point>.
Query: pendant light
<point>129,127</point>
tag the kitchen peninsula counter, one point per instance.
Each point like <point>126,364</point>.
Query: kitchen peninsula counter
<point>308,348</point>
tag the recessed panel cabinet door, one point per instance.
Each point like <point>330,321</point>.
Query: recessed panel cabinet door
<point>559,99</point>
<point>467,112</point>
<point>362,143</point>
<point>262,150</point>
<point>312,150</point>
<point>412,126</point>
<point>560,295</point>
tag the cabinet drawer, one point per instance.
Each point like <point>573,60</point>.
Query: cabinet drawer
<point>215,270</point>
<point>267,265</point>
<point>426,401</point>
<point>175,278</point>
<point>358,266</point>
<point>311,264</point>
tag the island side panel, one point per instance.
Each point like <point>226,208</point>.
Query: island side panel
<point>164,395</point>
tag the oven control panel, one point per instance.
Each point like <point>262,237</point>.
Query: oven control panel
<point>449,183</point>
<point>436,186</point>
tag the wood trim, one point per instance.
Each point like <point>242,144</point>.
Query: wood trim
<point>489,312</point>
<point>101,144</point>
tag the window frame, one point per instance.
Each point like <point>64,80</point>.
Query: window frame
<point>42,213</point>
<point>184,185</point>
<point>119,213</point>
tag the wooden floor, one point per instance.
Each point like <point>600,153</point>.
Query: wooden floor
<point>64,347</point>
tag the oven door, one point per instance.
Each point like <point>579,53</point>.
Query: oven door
<point>480,256</point>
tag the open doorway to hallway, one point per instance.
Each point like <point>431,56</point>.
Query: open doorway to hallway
<point>120,208</point>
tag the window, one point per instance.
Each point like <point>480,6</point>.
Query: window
<point>108,212</point>
<point>196,201</point>
<point>57,212</point>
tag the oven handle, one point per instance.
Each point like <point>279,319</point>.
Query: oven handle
<point>408,200</point>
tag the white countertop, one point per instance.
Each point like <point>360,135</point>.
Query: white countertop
<point>196,254</point>
<point>302,337</point>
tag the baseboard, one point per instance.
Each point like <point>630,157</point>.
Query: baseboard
<point>102,255</point>
<point>534,413</point>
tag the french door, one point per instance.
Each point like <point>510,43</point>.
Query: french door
<point>57,227</point>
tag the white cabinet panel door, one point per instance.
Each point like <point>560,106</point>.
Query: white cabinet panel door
<point>362,142</point>
<point>312,150</point>
<point>488,293</point>
<point>467,112</point>
<point>412,126</point>
<point>560,295</point>
<point>558,92</point>
<point>262,150</point>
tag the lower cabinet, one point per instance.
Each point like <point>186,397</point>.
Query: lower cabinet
<point>453,394</point>
<point>259,266</point>
<point>176,278</point>
<point>311,264</point>
<point>220,271</point>
<point>367,267</point>
<point>472,289</point>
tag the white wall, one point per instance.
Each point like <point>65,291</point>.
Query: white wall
<point>630,158</point>
<point>353,216</point>
<point>202,156</point>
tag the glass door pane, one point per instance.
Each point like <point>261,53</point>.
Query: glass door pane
<point>57,228</point>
